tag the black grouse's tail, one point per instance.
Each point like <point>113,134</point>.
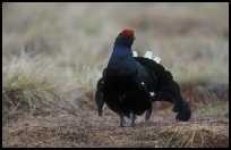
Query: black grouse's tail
<point>166,88</point>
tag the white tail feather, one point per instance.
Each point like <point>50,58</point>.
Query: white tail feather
<point>134,53</point>
<point>157,59</point>
<point>148,54</point>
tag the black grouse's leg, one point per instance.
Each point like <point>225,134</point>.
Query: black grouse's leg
<point>100,112</point>
<point>148,114</point>
<point>122,121</point>
<point>129,122</point>
<point>132,117</point>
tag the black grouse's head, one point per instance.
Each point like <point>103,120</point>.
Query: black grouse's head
<point>125,38</point>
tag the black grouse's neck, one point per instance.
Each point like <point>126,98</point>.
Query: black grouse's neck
<point>121,56</point>
<point>124,41</point>
<point>122,47</point>
<point>120,52</point>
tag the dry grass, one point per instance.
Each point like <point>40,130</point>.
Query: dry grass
<point>195,135</point>
<point>74,131</point>
<point>53,55</point>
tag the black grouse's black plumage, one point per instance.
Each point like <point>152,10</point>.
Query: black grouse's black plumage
<point>127,82</point>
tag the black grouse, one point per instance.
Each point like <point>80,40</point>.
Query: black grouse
<point>127,82</point>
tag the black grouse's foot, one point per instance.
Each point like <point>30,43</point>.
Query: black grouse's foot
<point>127,121</point>
<point>100,113</point>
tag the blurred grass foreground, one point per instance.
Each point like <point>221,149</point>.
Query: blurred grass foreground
<point>54,53</point>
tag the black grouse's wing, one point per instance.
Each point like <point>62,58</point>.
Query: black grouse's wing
<point>157,71</point>
<point>99,96</point>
